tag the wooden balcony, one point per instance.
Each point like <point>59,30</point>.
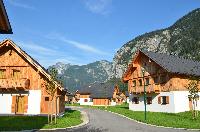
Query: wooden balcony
<point>149,89</point>
<point>14,83</point>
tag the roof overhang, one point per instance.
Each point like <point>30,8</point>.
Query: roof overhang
<point>5,27</point>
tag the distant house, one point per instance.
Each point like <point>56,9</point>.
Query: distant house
<point>124,97</point>
<point>98,94</point>
<point>69,97</point>
<point>165,79</point>
<point>5,27</point>
<point>22,84</point>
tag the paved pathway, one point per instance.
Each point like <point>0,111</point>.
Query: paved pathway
<point>102,121</point>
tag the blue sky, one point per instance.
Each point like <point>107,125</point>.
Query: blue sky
<point>84,31</point>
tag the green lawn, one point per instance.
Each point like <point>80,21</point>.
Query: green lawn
<point>178,120</point>
<point>11,123</point>
<point>75,104</point>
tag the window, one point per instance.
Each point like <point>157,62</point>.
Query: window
<point>155,79</point>
<point>134,83</point>
<point>46,98</point>
<point>146,81</point>
<point>135,100</point>
<point>163,79</point>
<point>149,100</point>
<point>140,82</point>
<point>16,74</point>
<point>85,100</point>
<point>2,73</point>
<point>163,100</point>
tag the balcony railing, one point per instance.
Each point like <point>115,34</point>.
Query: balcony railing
<point>22,83</point>
<point>149,89</point>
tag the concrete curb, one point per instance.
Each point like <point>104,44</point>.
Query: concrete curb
<point>151,124</point>
<point>84,118</point>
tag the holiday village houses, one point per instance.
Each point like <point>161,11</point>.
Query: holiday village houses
<point>99,94</point>
<point>23,84</point>
<point>165,78</point>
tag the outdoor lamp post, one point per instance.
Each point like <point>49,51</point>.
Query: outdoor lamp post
<point>145,104</point>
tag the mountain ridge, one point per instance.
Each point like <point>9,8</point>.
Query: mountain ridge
<point>181,39</point>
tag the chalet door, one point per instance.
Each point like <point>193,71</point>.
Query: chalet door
<point>190,103</point>
<point>20,105</point>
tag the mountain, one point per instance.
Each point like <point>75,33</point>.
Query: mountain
<point>181,39</point>
<point>73,76</point>
<point>61,67</point>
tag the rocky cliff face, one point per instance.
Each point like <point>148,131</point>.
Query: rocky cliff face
<point>182,39</point>
<point>74,76</point>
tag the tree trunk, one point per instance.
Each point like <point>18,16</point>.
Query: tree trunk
<point>52,111</point>
<point>194,112</point>
<point>48,113</point>
<point>56,110</point>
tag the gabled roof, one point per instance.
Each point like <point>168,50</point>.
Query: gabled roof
<point>28,58</point>
<point>175,64</point>
<point>170,63</point>
<point>5,27</point>
<point>98,90</point>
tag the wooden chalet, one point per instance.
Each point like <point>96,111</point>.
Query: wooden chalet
<point>165,80</point>
<point>22,84</point>
<point>5,27</point>
<point>98,94</point>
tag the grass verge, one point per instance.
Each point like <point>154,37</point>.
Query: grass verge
<point>176,120</point>
<point>13,123</point>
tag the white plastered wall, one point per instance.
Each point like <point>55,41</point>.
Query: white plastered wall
<point>5,103</point>
<point>34,100</point>
<point>178,102</point>
<point>81,101</point>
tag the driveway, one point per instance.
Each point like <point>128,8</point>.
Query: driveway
<point>102,121</point>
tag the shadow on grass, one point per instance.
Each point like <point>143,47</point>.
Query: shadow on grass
<point>18,123</point>
<point>10,123</point>
<point>70,111</point>
<point>124,107</point>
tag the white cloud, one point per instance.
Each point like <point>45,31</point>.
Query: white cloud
<point>47,56</point>
<point>16,3</point>
<point>36,48</point>
<point>98,6</point>
<point>79,45</point>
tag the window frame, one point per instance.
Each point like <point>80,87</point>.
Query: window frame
<point>156,83</point>
<point>163,79</point>
<point>149,100</point>
<point>140,82</point>
<point>147,81</point>
<point>18,75</point>
<point>163,100</point>
<point>134,83</point>
<point>85,100</point>
<point>46,98</point>
<point>2,73</point>
<point>135,100</point>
